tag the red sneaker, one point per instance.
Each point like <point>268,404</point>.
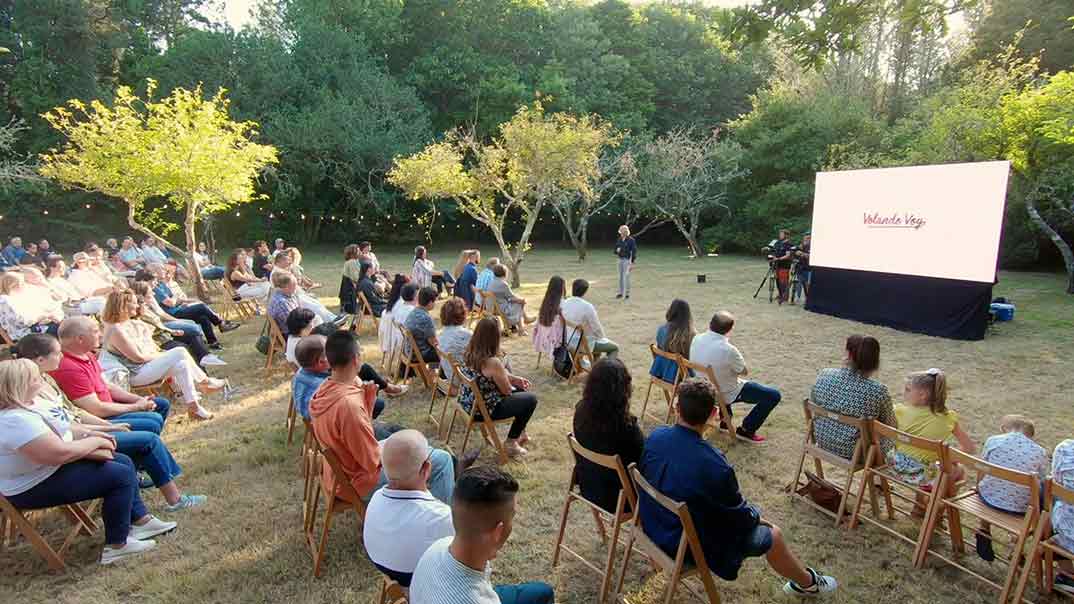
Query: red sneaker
<point>753,439</point>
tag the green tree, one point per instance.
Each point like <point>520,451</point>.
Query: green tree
<point>534,159</point>
<point>182,148</point>
<point>1037,29</point>
<point>616,172</point>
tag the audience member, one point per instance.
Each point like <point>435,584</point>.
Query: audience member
<point>925,414</point>
<point>204,261</point>
<point>456,570</point>
<point>47,462</point>
<point>676,336</point>
<point>386,331</point>
<point>277,246</point>
<point>352,263</point>
<point>151,253</point>
<point>44,248</point>
<point>1015,449</point>
<point>341,412</point>
<point>185,332</point>
<point>313,370</point>
<point>128,343</point>
<point>403,518</point>
<point>505,395</point>
<point>22,312</point>
<point>402,309</point>
<point>424,275</point>
<point>511,306</point>
<point>368,289</point>
<point>681,465</point>
<point>89,284</point>
<point>32,256</point>
<point>299,324</point>
<point>62,289</point>
<point>146,449</point>
<point>548,332</point>
<point>262,263</point>
<point>117,276</point>
<point>365,254</point>
<point>111,247</point>
<point>850,390</point>
<point>284,266</point>
<point>454,336</point>
<point>420,325</point>
<point>246,284</point>
<point>1063,513</point>
<point>466,271</point>
<point>13,251</point>
<point>715,350</point>
<point>284,299</point>
<point>484,279</point>
<point>129,254</point>
<point>604,424</point>
<point>179,306</point>
<point>582,313</point>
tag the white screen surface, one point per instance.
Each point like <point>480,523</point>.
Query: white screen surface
<point>931,221</point>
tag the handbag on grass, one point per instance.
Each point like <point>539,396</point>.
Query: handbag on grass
<point>562,359</point>
<point>822,492</point>
<point>263,340</point>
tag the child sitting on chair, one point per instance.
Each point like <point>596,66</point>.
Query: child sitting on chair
<point>925,414</point>
<point>1013,448</point>
<point>1063,513</point>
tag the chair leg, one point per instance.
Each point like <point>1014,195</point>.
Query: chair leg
<point>562,529</point>
<point>23,526</point>
<point>1017,556</point>
<point>538,365</point>
<point>600,526</point>
<point>609,564</point>
<point>954,525</point>
<point>291,416</point>
<point>673,584</point>
<point>645,404</point>
<point>329,512</point>
<point>626,563</point>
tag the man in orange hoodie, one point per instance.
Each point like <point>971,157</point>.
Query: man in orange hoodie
<point>341,412</point>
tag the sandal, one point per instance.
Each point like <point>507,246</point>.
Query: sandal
<point>198,413</point>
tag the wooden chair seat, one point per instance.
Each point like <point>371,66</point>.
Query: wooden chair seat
<point>11,518</point>
<point>668,388</point>
<point>234,306</point>
<point>972,504</point>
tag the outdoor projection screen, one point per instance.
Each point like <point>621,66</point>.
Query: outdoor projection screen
<point>931,221</point>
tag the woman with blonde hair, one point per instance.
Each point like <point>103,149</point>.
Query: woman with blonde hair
<point>466,270</point>
<point>128,342</point>
<point>22,312</point>
<point>242,279</point>
<point>45,461</point>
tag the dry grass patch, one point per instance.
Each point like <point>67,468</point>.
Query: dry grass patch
<point>246,544</point>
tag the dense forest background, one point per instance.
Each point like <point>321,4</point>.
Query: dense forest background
<point>341,87</point>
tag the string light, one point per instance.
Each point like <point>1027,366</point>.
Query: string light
<point>46,212</point>
<point>87,206</point>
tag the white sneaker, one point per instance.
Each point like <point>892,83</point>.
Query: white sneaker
<point>151,529</point>
<point>133,547</point>
<point>822,585</point>
<point>211,360</point>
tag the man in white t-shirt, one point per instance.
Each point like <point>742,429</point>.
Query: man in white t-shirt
<point>455,570</point>
<point>403,518</point>
<point>579,311</point>
<point>715,350</point>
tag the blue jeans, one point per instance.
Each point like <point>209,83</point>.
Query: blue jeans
<point>525,593</point>
<point>113,481</point>
<point>147,421</point>
<point>441,481</point>
<point>186,326</point>
<point>764,400</point>
<point>212,273</point>
<point>150,454</point>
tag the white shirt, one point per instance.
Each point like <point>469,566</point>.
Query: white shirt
<point>292,344</point>
<point>441,579</point>
<point>17,428</point>
<point>716,351</point>
<point>400,525</point>
<point>87,282</point>
<point>579,311</point>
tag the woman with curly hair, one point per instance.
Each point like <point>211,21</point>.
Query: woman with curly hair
<point>603,423</point>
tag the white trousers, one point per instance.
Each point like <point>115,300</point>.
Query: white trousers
<point>258,290</point>
<point>309,302</point>
<point>176,364</point>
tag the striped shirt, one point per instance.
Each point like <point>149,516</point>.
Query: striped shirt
<point>441,579</point>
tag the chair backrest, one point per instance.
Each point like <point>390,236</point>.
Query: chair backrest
<point>983,468</point>
<point>367,308</point>
<point>479,399</point>
<point>1054,491</point>
<point>274,327</point>
<point>670,356</point>
<point>689,536</point>
<point>610,462</point>
<point>415,352</point>
<point>344,488</point>
<point>814,411</point>
<point>878,430</point>
<point>704,371</point>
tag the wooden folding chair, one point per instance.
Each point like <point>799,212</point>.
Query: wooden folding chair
<point>157,388</point>
<point>676,570</point>
<point>311,470</point>
<point>234,306</point>
<point>725,423</point>
<point>292,414</point>
<point>477,416</point>
<point>15,519</point>
<point>365,309</point>
<point>668,388</point>
<point>810,448</point>
<point>1019,526</point>
<point>447,386</point>
<point>491,309</point>
<point>893,485</point>
<point>1045,547</point>
<point>277,343</point>
<point>345,498</point>
<point>392,593</point>
<point>623,514</point>
<point>415,362</point>
<point>581,349</point>
<point>478,310</point>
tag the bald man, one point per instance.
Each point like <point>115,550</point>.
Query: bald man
<point>403,518</point>
<point>454,570</point>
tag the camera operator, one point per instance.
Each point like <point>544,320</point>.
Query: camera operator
<point>782,253</point>
<point>805,272</point>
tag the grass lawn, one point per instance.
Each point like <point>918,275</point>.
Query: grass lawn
<point>246,543</point>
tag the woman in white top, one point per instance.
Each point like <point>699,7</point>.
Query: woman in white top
<point>23,311</point>
<point>423,274</point>
<point>386,331</point>
<point>242,278</point>
<point>45,461</point>
<point>56,280</point>
<point>128,342</point>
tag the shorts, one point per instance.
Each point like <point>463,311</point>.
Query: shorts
<point>909,469</point>
<point>758,542</point>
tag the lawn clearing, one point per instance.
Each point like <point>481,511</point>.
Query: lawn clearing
<point>246,544</point>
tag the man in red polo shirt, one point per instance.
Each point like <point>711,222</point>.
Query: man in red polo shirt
<point>79,375</point>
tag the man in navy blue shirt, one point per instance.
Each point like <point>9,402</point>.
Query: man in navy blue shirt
<point>682,465</point>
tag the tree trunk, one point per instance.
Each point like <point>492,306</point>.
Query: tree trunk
<point>1063,246</point>
<point>583,239</point>
<point>192,246</point>
<point>691,238</point>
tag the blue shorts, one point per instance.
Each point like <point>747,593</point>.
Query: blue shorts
<point>758,542</point>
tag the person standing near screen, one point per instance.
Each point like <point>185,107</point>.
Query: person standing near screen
<point>627,251</point>
<point>781,254</point>
<point>805,271</point>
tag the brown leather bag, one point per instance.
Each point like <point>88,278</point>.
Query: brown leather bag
<point>822,492</point>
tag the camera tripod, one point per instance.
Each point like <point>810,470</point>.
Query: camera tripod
<point>770,279</point>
